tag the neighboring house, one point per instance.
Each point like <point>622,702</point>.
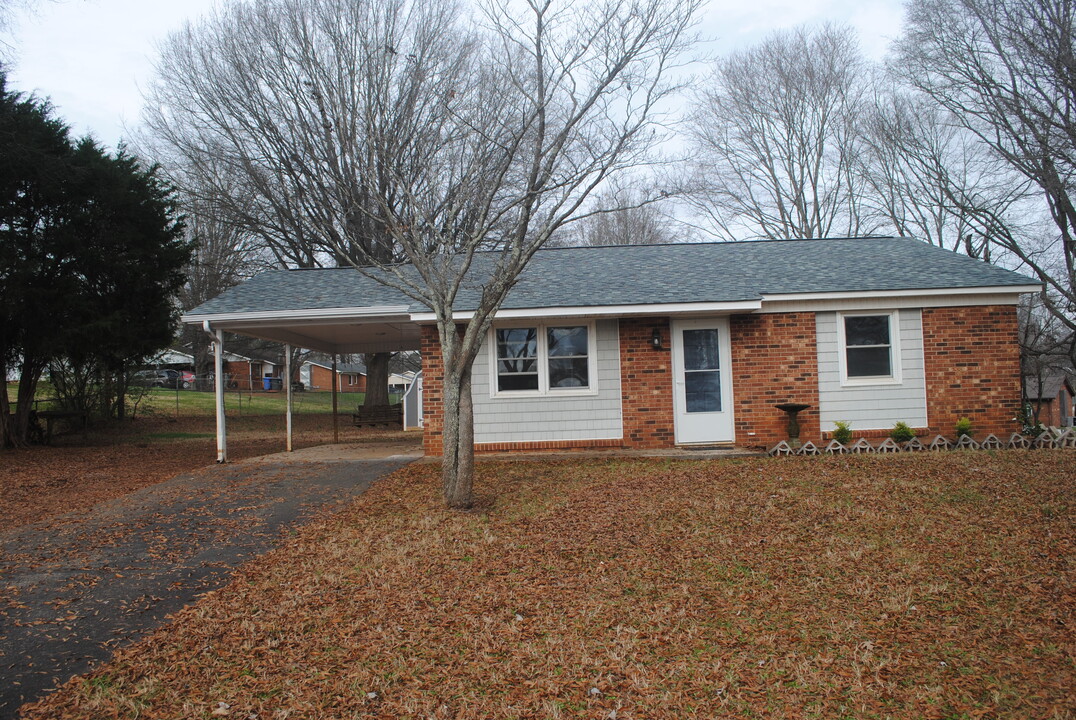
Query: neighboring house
<point>317,375</point>
<point>689,344</point>
<point>172,358</point>
<point>249,374</point>
<point>1051,398</point>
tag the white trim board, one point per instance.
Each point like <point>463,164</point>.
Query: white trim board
<point>907,302</point>
<point>380,313</point>
<point>597,311</point>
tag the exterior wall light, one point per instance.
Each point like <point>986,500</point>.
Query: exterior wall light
<point>655,340</point>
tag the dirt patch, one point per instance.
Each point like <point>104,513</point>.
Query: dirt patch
<point>41,482</point>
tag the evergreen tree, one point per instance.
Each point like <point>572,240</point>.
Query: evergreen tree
<point>91,256</point>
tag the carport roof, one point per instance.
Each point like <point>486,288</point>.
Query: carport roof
<point>614,276</point>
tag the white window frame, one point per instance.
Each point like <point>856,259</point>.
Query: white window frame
<point>894,378</point>
<point>543,360</point>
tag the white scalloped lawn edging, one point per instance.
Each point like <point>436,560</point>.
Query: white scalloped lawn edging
<point>1050,438</point>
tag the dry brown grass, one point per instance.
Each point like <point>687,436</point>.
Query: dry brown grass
<point>926,586</point>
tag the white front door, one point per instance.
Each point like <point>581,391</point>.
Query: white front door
<point>702,389</point>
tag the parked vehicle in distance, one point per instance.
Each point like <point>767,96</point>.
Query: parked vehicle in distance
<point>162,379</point>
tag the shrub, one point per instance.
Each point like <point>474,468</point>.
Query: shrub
<point>901,432</point>
<point>963,427</point>
<point>843,433</point>
<point>1028,424</point>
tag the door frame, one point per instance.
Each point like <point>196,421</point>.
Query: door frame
<point>725,428</point>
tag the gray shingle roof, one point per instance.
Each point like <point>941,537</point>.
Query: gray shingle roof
<point>652,274</point>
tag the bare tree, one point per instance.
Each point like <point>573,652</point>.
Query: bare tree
<point>224,256</point>
<point>922,175</point>
<point>775,138</point>
<point>261,107</point>
<point>417,131</point>
<point>1006,71</point>
<point>626,216</point>
<point>1047,348</point>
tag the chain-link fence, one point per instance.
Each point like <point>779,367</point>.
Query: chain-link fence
<point>189,395</point>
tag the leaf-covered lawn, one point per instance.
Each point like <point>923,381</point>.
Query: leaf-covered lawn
<point>929,585</point>
<point>40,482</point>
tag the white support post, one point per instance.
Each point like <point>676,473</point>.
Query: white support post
<point>336,419</point>
<point>287,382</point>
<point>218,387</point>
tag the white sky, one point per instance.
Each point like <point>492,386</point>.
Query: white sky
<point>92,57</point>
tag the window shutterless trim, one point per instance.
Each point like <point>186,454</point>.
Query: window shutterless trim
<point>543,360</point>
<point>895,376</point>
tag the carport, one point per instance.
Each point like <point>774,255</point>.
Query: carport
<point>335,311</point>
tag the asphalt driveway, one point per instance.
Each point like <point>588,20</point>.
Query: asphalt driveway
<point>76,588</point>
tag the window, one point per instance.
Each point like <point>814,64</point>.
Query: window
<point>543,358</point>
<point>869,348</point>
<point>517,359</point>
<point>702,370</point>
<point>568,357</point>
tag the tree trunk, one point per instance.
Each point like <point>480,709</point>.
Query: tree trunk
<point>203,361</point>
<point>119,387</point>
<point>457,469</point>
<point>18,432</point>
<point>5,411</point>
<point>377,379</point>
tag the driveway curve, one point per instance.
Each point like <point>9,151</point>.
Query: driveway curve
<point>76,588</point>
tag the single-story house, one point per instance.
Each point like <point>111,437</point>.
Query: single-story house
<point>1051,397</point>
<point>654,346</point>
<point>247,373</point>
<point>318,375</point>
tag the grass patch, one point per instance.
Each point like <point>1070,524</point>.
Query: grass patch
<point>928,585</point>
<point>165,402</point>
<point>178,435</point>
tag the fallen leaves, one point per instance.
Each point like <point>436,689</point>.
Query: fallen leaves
<point>41,482</point>
<point>901,586</point>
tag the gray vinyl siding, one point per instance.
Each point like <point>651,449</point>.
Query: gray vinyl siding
<point>872,407</point>
<point>552,417</point>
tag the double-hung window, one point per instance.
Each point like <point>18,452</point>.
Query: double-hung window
<point>869,348</point>
<point>543,358</point>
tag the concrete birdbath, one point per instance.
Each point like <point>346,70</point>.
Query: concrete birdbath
<point>792,410</point>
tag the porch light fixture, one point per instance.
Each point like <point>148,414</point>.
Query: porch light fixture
<point>655,340</point>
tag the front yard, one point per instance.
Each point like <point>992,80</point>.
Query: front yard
<point>39,482</point>
<point>928,585</point>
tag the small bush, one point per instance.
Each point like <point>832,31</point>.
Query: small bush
<point>843,433</point>
<point>963,427</point>
<point>901,432</point>
<point>1028,424</point>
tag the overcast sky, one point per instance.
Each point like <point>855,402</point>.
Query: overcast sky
<point>93,57</point>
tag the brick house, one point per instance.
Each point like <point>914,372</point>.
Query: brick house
<point>318,376</point>
<point>248,374</point>
<point>1051,397</point>
<point>690,344</point>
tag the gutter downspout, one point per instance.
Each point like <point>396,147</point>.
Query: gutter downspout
<point>217,338</point>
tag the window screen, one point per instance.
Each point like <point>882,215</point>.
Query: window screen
<point>868,346</point>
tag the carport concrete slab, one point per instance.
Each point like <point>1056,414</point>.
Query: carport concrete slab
<point>75,588</point>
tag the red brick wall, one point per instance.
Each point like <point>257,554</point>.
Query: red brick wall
<point>320,378</point>
<point>972,360</point>
<point>646,384</point>
<point>433,372</point>
<point>238,372</point>
<point>352,382</point>
<point>774,360</point>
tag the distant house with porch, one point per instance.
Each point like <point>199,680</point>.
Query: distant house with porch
<point>659,346</point>
<point>1051,397</point>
